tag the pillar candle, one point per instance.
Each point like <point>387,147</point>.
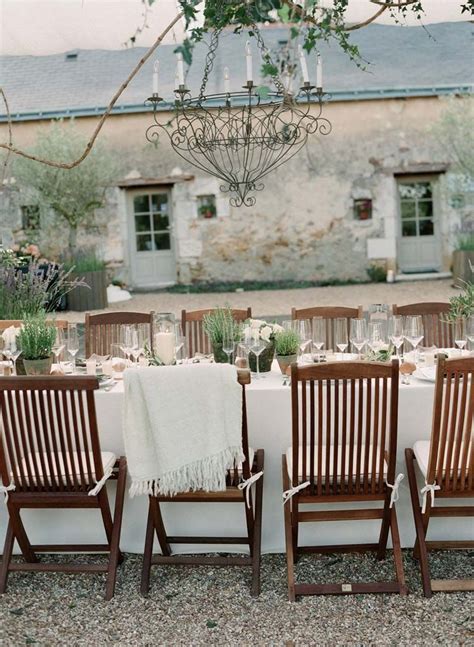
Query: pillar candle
<point>248,58</point>
<point>156,68</point>
<point>165,346</point>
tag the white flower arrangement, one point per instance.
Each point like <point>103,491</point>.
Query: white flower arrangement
<point>266,330</point>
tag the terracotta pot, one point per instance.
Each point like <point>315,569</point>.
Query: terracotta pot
<point>284,361</point>
<point>38,366</point>
<point>264,361</point>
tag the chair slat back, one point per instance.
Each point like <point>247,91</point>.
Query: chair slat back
<point>193,329</point>
<point>437,330</point>
<point>6,323</point>
<point>344,426</point>
<point>330,314</point>
<point>49,438</point>
<point>103,330</point>
<point>451,460</point>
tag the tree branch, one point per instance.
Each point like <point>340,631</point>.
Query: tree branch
<point>16,151</point>
<point>10,137</point>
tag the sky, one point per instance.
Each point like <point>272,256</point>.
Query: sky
<point>40,27</point>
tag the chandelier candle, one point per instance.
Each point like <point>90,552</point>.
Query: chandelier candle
<point>180,69</point>
<point>319,72</point>
<point>248,58</point>
<point>304,66</point>
<point>156,68</point>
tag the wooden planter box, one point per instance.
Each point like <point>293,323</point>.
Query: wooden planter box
<point>461,268</point>
<point>93,297</point>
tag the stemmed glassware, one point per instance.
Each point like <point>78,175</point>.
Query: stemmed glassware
<point>303,328</point>
<point>180,340</point>
<point>460,333</point>
<point>470,329</point>
<point>246,341</point>
<point>59,344</point>
<point>126,341</point>
<point>228,343</point>
<point>413,331</point>
<point>358,334</point>
<point>319,334</point>
<point>72,343</point>
<point>12,351</point>
<point>376,333</point>
<point>395,332</point>
<point>257,347</point>
<point>341,335</point>
<point>139,337</point>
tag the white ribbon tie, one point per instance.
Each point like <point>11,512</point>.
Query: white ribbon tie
<point>5,489</point>
<point>395,493</point>
<point>289,493</point>
<point>247,484</point>
<point>100,484</point>
<point>429,487</point>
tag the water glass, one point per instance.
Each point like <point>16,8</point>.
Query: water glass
<point>303,329</point>
<point>341,337</point>
<point>12,351</point>
<point>359,335</point>
<point>319,335</point>
<point>228,343</point>
<point>413,331</point>
<point>72,343</point>
<point>377,340</point>
<point>180,342</point>
<point>460,338</point>
<point>59,344</point>
<point>395,332</point>
<point>257,348</point>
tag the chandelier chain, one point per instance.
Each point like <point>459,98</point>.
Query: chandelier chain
<point>210,58</point>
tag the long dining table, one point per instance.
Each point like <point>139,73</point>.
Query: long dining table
<point>269,422</point>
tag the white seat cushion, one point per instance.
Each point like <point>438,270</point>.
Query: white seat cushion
<point>289,462</point>
<point>421,449</point>
<point>78,459</point>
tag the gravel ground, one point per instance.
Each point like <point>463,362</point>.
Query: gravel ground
<point>207,606</point>
<point>280,302</point>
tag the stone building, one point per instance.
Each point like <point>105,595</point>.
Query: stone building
<point>376,190</point>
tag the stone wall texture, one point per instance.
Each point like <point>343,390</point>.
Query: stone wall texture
<point>302,226</point>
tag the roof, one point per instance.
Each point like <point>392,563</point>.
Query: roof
<point>403,61</point>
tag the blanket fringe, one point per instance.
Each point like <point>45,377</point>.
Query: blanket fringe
<point>207,474</point>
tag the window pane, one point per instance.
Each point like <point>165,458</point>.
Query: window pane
<point>425,209</point>
<point>159,202</point>
<point>140,203</point>
<point>160,222</point>
<point>162,241</point>
<point>409,228</point>
<point>408,209</point>
<point>144,243</point>
<point>415,190</point>
<point>142,223</point>
<point>426,227</point>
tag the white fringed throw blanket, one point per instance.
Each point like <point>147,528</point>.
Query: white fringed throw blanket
<point>182,427</point>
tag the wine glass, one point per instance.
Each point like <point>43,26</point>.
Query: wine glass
<point>460,333</point>
<point>319,334</point>
<point>139,337</point>
<point>246,341</point>
<point>340,335</point>
<point>359,335</point>
<point>59,344</point>
<point>303,329</point>
<point>72,343</point>
<point>395,332</point>
<point>228,343</point>
<point>126,340</point>
<point>470,329</point>
<point>413,331</point>
<point>376,334</point>
<point>12,351</point>
<point>257,348</point>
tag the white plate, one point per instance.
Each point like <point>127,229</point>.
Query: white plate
<point>426,373</point>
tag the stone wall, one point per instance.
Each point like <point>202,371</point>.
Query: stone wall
<point>302,226</point>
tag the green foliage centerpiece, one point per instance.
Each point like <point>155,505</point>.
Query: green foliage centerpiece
<point>215,323</point>
<point>36,339</point>
<point>287,344</point>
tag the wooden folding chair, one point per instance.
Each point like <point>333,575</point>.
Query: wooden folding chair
<point>6,323</point>
<point>253,464</point>
<point>447,465</point>
<point>193,330</point>
<point>330,314</point>
<point>438,331</point>
<point>50,457</point>
<point>103,330</point>
<point>344,442</point>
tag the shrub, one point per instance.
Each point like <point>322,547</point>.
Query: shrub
<point>217,321</point>
<point>37,337</point>
<point>287,342</point>
<point>377,273</point>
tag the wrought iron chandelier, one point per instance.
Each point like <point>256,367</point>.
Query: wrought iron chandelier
<point>239,137</point>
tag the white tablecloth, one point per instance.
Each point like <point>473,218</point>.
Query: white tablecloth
<point>269,417</point>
